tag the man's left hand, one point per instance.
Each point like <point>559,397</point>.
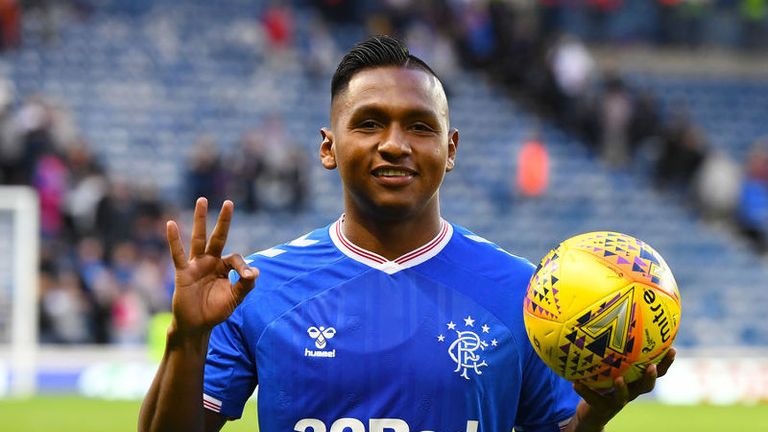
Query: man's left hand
<point>596,408</point>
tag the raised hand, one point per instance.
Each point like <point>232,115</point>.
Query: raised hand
<point>598,408</point>
<point>204,295</point>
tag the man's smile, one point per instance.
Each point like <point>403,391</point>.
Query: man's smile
<point>394,176</point>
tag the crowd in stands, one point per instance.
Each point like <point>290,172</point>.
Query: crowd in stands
<point>266,173</point>
<point>105,268</point>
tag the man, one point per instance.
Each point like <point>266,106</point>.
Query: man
<point>390,319</point>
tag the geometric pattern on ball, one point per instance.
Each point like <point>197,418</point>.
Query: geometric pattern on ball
<point>602,305</point>
<point>628,253</point>
<point>600,344</point>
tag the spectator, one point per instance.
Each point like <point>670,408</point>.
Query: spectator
<point>205,175</point>
<point>532,167</point>
<point>115,215</point>
<point>573,66</point>
<point>87,187</point>
<point>33,122</point>
<point>717,186</point>
<point>129,318</point>
<point>752,217</point>
<point>615,116</point>
<point>682,151</point>
<point>573,69</point>
<point>94,274</point>
<point>129,312</point>
<point>477,37</point>
<point>278,25</point>
<point>50,180</point>
<point>295,176</point>
<point>645,124</point>
<point>149,282</point>
<point>63,308</point>
<point>10,25</point>
<point>148,223</point>
<point>515,29</point>
<point>248,166</point>
<point>282,185</point>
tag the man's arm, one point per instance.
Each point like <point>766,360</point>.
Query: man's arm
<point>203,298</point>
<point>179,380</point>
<point>596,409</point>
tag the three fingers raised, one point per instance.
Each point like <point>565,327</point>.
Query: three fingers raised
<point>200,244</point>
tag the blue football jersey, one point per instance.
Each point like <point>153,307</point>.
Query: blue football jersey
<point>341,339</point>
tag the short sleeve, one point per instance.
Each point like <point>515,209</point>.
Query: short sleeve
<point>547,401</point>
<point>230,371</point>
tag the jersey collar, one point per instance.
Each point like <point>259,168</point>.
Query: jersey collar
<point>407,260</point>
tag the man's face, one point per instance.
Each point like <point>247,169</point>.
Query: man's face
<point>391,142</point>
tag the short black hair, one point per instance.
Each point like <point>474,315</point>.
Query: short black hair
<point>376,51</point>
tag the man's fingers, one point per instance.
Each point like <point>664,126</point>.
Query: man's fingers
<point>647,382</point>
<point>175,244</point>
<point>247,275</point>
<point>221,230</point>
<point>666,362</point>
<point>592,397</point>
<point>242,288</point>
<point>197,246</point>
<point>621,391</point>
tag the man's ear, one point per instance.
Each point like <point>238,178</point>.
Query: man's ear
<point>327,151</point>
<point>453,146</point>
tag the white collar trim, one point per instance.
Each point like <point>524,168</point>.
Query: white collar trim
<point>407,260</point>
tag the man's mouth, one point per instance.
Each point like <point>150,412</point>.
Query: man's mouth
<point>392,172</point>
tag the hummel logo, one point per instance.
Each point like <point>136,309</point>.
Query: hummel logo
<point>321,336</point>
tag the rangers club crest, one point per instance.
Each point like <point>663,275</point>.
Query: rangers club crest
<point>469,346</point>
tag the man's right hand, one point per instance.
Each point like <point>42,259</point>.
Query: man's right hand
<point>204,296</point>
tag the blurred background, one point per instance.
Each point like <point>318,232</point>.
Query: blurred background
<point>648,117</point>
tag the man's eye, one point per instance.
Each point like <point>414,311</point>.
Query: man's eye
<point>421,127</point>
<point>368,124</point>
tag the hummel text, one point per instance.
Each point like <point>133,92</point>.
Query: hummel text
<point>319,353</point>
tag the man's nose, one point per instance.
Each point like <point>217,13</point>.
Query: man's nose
<point>394,143</point>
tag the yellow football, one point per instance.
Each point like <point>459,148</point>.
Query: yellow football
<point>602,305</point>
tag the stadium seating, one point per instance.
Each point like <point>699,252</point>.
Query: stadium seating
<point>145,78</point>
<point>731,110</point>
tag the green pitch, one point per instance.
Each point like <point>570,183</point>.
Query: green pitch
<point>73,414</point>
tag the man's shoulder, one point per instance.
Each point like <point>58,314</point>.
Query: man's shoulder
<point>291,272</point>
<point>305,243</point>
<point>476,253</point>
<point>300,255</point>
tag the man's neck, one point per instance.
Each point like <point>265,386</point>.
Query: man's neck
<point>391,238</point>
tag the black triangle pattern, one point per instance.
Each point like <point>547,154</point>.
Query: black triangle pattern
<point>599,345</point>
<point>571,336</point>
<point>584,318</point>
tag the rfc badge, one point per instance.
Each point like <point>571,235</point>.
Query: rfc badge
<point>468,348</point>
